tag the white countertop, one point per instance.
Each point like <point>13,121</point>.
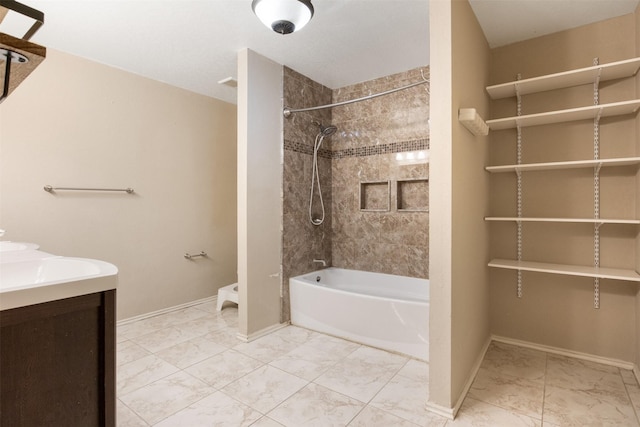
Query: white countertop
<point>31,276</point>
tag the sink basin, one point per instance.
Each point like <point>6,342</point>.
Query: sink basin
<point>50,271</point>
<point>6,246</point>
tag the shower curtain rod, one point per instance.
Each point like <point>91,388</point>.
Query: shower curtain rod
<point>288,111</point>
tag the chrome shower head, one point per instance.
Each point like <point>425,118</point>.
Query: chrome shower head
<point>328,130</point>
<point>325,130</point>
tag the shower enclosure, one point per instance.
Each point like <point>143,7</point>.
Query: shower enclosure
<point>378,153</point>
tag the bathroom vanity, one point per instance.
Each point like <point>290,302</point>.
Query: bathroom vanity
<point>57,340</point>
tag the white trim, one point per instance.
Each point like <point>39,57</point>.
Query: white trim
<point>569,353</point>
<point>451,413</point>
<point>261,332</point>
<point>166,310</point>
<point>443,411</point>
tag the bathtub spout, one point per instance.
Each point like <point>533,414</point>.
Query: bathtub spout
<point>321,261</point>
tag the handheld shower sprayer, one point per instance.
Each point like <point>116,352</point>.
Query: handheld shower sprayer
<point>324,132</point>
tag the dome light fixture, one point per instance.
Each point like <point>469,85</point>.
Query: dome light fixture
<point>283,16</point>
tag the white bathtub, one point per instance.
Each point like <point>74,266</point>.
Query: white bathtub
<point>381,310</point>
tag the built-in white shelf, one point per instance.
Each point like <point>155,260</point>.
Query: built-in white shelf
<point>562,116</point>
<point>568,270</point>
<point>573,164</point>
<point>569,220</point>
<point>610,71</point>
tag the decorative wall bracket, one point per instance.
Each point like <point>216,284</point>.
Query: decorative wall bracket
<point>475,124</point>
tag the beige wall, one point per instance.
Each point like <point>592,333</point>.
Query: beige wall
<point>458,202</point>
<point>470,233</point>
<point>558,310</point>
<point>470,302</point>
<point>259,192</point>
<point>78,123</point>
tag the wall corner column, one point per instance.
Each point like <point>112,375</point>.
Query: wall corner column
<point>440,209</point>
<point>259,193</point>
<point>459,200</point>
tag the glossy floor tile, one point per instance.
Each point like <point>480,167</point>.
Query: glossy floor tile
<point>539,388</point>
<point>187,368</point>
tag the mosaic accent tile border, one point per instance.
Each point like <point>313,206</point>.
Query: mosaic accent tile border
<point>372,150</point>
<point>305,149</point>
<point>389,148</point>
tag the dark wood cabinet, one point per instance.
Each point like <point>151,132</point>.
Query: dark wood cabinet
<point>57,363</point>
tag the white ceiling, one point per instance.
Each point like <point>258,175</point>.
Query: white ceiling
<point>193,44</point>
<point>509,21</point>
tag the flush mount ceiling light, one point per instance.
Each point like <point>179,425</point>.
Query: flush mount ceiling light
<point>18,56</point>
<point>283,16</point>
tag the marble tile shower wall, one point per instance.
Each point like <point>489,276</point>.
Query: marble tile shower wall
<point>397,118</point>
<point>371,135</point>
<point>302,241</point>
<point>374,139</point>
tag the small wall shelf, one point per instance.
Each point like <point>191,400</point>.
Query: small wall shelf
<point>574,164</point>
<point>562,116</point>
<point>568,270</point>
<point>412,195</point>
<point>610,71</point>
<point>374,196</point>
<point>567,220</point>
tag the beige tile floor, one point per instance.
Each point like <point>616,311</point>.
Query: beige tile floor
<point>187,368</point>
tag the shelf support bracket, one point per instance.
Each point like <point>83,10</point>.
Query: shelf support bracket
<point>596,120</point>
<point>596,187</point>
<point>596,83</point>
<point>519,198</point>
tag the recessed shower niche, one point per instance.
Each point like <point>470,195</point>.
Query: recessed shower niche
<point>412,195</point>
<point>375,196</point>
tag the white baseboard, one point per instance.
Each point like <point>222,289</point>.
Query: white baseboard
<point>443,411</point>
<point>261,332</point>
<point>166,310</point>
<point>450,413</point>
<point>569,353</point>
